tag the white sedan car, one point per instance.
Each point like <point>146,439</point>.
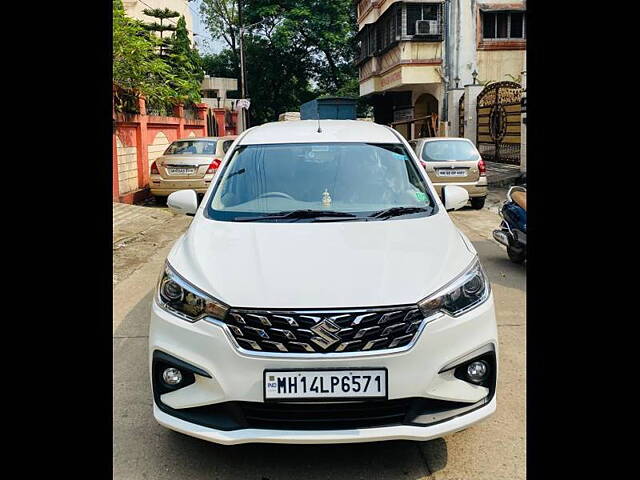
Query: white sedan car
<point>322,294</point>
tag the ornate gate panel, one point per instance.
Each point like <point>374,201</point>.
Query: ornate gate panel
<point>461,116</point>
<point>498,130</point>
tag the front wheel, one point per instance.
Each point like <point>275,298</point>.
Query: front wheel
<point>478,202</point>
<point>516,255</point>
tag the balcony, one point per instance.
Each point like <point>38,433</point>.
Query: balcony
<point>407,63</point>
<point>401,22</point>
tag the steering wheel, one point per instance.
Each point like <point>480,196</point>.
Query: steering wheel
<point>276,194</point>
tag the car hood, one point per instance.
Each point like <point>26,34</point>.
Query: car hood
<point>322,264</point>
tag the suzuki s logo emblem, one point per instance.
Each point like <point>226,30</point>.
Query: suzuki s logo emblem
<point>325,333</point>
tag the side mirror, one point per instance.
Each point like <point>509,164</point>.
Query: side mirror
<point>454,197</point>
<point>183,201</point>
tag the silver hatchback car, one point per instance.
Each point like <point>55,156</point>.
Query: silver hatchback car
<point>453,161</point>
<point>188,163</point>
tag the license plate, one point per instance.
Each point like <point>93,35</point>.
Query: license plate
<point>452,173</point>
<point>304,385</point>
<point>181,171</point>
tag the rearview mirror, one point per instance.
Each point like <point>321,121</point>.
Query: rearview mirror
<point>454,197</point>
<point>183,201</point>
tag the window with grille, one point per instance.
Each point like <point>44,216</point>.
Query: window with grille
<point>396,24</point>
<point>504,25</point>
<point>422,11</point>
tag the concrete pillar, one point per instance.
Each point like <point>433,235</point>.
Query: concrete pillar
<point>523,125</point>
<point>116,180</point>
<point>201,111</point>
<point>234,120</point>
<point>454,115</point>
<point>178,111</point>
<point>141,145</point>
<point>218,114</point>
<point>471,93</point>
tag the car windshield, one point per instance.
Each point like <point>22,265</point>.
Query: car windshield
<point>345,180</point>
<point>449,151</point>
<point>191,146</point>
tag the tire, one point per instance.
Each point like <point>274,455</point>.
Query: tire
<point>160,200</point>
<point>478,202</point>
<point>517,255</point>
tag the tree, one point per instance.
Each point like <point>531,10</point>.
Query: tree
<point>280,81</point>
<point>136,66</point>
<point>222,64</point>
<point>325,29</point>
<point>160,28</point>
<point>185,64</point>
<point>295,50</point>
<point>221,19</point>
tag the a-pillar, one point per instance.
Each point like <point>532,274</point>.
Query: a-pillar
<point>141,145</point>
<point>454,114</point>
<point>471,93</point>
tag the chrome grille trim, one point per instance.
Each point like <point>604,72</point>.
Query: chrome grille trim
<point>402,331</point>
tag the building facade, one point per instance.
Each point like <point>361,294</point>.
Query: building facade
<point>413,53</point>
<point>135,9</point>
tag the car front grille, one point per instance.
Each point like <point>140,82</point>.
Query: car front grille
<point>334,331</point>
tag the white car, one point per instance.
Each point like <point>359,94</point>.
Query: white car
<point>322,294</point>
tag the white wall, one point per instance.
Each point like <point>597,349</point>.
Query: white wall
<point>134,8</point>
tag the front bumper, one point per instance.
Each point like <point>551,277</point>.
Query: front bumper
<point>237,376</point>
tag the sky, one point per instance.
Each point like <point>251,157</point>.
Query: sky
<point>205,43</point>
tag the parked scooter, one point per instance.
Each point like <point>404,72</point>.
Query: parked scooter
<point>513,229</point>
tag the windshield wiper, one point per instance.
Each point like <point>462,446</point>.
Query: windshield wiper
<point>397,211</point>
<point>298,214</point>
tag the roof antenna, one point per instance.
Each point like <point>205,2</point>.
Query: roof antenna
<point>319,129</point>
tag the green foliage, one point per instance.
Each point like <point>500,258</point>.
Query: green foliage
<point>279,81</point>
<point>160,28</point>
<point>186,65</point>
<point>221,19</point>
<point>224,64</point>
<point>160,13</point>
<point>295,50</point>
<point>137,67</point>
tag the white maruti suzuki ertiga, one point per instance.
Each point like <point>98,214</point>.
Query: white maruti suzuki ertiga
<point>322,294</point>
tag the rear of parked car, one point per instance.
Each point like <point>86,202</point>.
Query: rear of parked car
<point>453,161</point>
<point>188,164</point>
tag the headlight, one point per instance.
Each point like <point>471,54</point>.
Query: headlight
<point>462,294</point>
<point>179,297</point>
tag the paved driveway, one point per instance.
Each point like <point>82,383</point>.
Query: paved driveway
<point>494,449</point>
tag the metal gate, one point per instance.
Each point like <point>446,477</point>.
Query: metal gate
<point>498,131</point>
<point>461,116</point>
<point>212,125</point>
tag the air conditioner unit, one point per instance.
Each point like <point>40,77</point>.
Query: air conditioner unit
<point>427,27</point>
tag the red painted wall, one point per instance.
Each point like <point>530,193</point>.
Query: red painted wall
<point>139,131</point>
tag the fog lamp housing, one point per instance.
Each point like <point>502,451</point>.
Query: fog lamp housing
<point>477,371</point>
<point>172,376</point>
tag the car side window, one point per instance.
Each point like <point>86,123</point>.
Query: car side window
<point>225,145</point>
